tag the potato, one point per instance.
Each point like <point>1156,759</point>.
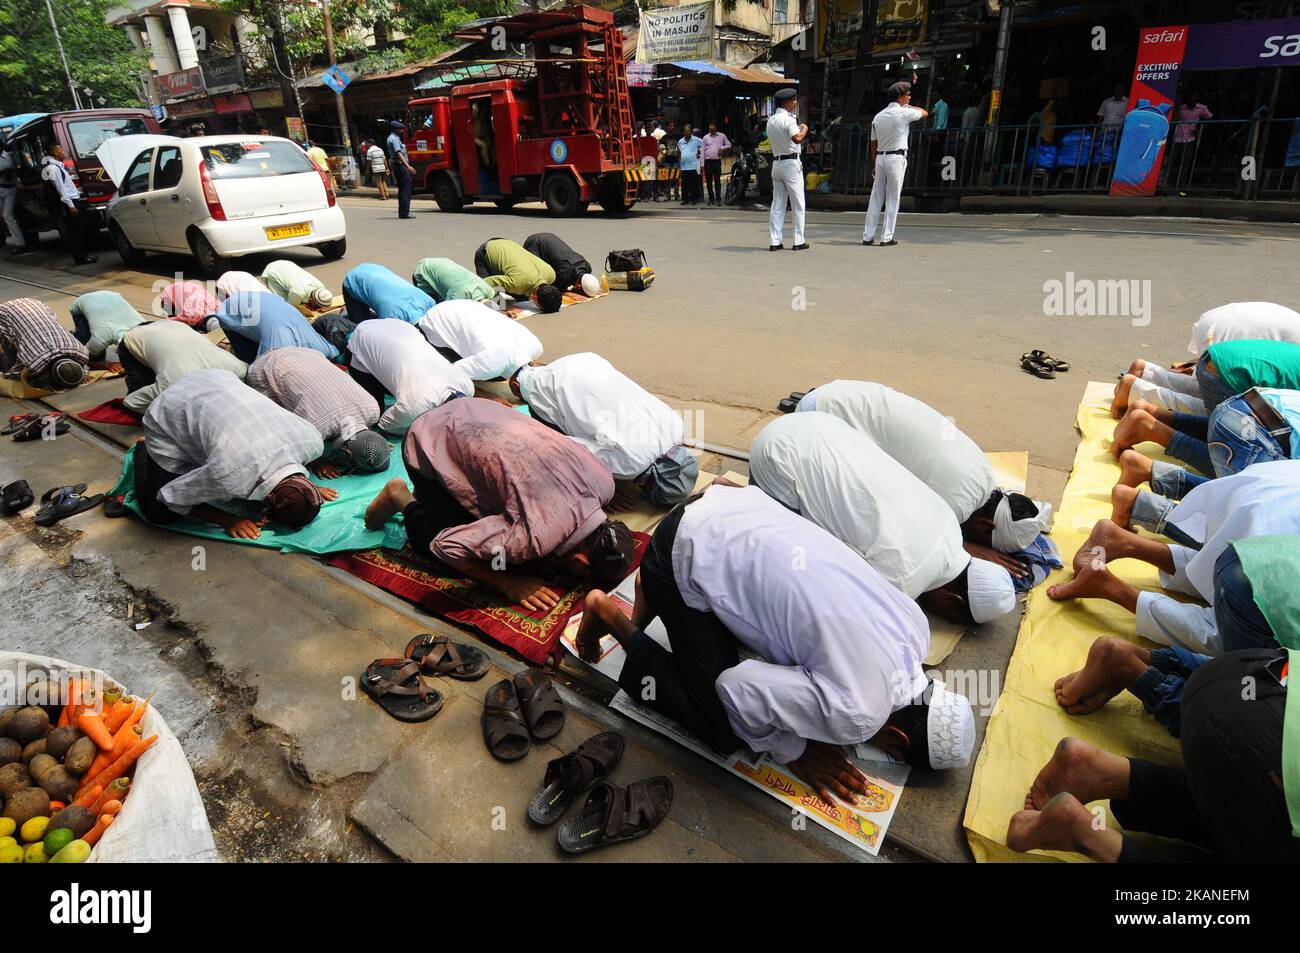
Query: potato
<point>5,716</point>
<point>80,756</point>
<point>28,724</point>
<point>14,777</point>
<point>29,803</point>
<point>10,750</point>
<point>39,765</point>
<point>59,784</point>
<point>32,749</point>
<point>75,818</point>
<point>58,741</point>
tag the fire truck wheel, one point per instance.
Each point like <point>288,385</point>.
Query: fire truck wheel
<point>562,196</point>
<point>447,195</point>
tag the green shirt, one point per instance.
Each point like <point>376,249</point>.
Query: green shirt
<point>1272,564</point>
<point>1247,364</point>
<point>514,269</point>
<point>444,280</point>
<point>290,282</point>
<point>107,315</point>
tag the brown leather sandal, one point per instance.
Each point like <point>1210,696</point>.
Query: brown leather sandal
<point>439,655</point>
<point>396,687</point>
<point>613,814</point>
<point>568,776</point>
<point>504,730</point>
<point>541,704</point>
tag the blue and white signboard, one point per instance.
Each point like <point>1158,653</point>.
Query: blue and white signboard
<point>336,79</point>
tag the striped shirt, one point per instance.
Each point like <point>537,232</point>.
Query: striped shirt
<point>31,331</point>
<point>226,440</point>
<point>304,382</point>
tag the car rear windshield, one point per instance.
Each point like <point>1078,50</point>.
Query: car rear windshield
<point>252,159</point>
<point>89,134</point>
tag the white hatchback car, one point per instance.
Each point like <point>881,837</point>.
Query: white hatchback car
<point>218,198</point>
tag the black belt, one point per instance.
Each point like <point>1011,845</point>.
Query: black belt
<point>895,152</point>
<point>1268,418</point>
<point>792,155</point>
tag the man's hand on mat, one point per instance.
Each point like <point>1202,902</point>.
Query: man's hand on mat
<point>328,493</point>
<point>527,591</point>
<point>1014,566</point>
<point>825,769</point>
<point>245,528</point>
<point>326,471</point>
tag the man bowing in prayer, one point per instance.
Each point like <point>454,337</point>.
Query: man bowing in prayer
<point>373,291</point>
<point>209,439</point>
<point>258,322</point>
<point>819,466</point>
<point>444,280</point>
<point>512,268</point>
<point>571,269</point>
<point>391,357</point>
<point>495,491</point>
<point>486,344</point>
<point>839,649</point>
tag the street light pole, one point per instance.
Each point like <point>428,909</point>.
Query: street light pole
<point>999,77</point>
<point>58,41</point>
<point>338,97</point>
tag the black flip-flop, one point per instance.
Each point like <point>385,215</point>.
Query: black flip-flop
<point>1043,357</point>
<point>63,501</point>
<point>1037,368</point>
<point>504,730</point>
<point>396,686</point>
<point>541,703</point>
<point>613,814</point>
<point>16,497</point>
<point>439,655</point>
<point>34,429</point>
<point>571,774</point>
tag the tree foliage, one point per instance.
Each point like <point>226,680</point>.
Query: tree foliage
<point>428,23</point>
<point>100,57</point>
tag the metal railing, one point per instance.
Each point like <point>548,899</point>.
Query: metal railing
<point>1208,160</point>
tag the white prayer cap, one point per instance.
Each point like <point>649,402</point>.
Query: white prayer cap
<point>989,590</point>
<point>321,298</point>
<point>590,285</point>
<point>950,728</point>
<point>1011,535</point>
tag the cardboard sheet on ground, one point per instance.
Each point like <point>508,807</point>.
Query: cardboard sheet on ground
<point>1053,641</point>
<point>863,825</point>
<point>339,527</point>
<point>525,308</point>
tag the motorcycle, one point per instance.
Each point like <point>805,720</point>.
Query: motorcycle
<point>746,167</point>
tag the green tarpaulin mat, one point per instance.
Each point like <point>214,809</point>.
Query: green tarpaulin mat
<point>339,527</point>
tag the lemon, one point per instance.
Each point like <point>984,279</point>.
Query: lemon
<point>75,853</point>
<point>6,841</point>
<point>56,840</point>
<point>35,854</point>
<point>10,853</point>
<point>34,829</point>
<point>7,826</point>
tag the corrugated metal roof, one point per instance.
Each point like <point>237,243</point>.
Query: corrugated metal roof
<point>740,73</point>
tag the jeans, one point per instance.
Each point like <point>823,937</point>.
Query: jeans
<point>713,179</point>
<point>1236,440</point>
<point>1241,623</point>
<point>1160,687</point>
<point>1171,481</point>
<point>1189,441</point>
<point>1151,511</point>
<point>1214,390</point>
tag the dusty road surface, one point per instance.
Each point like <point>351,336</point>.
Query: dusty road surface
<point>251,654</point>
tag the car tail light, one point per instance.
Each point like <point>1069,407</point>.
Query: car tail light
<point>210,194</point>
<point>329,186</point>
<point>72,170</point>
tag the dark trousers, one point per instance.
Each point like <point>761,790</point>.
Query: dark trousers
<point>679,684</point>
<point>337,330</point>
<point>357,310</point>
<point>78,231</point>
<point>1228,797</point>
<point>713,179</point>
<point>433,510</point>
<point>150,478</point>
<point>404,184</point>
<point>370,384</point>
<point>690,186</point>
<point>138,373</point>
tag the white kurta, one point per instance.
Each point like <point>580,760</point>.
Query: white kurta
<point>840,648</point>
<point>1243,321</point>
<point>819,466</point>
<point>925,442</point>
<point>419,378</point>
<point>584,395</point>
<point>489,343</point>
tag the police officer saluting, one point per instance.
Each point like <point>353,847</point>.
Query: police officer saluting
<point>889,160</point>
<point>785,134</point>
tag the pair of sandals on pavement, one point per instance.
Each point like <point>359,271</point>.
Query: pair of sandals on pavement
<point>28,427</point>
<point>398,684</point>
<point>518,711</point>
<point>57,503</point>
<point>611,814</point>
<point>1041,364</point>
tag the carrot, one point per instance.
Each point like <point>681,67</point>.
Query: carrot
<point>114,792</point>
<point>87,799</point>
<point>112,807</point>
<point>63,717</point>
<point>122,764</point>
<point>121,745</point>
<point>56,806</point>
<point>93,725</point>
<point>96,832</point>
<point>114,717</point>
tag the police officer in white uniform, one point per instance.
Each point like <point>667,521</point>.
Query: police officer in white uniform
<point>889,160</point>
<point>785,134</point>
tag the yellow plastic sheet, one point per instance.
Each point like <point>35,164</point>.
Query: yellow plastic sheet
<point>1053,641</point>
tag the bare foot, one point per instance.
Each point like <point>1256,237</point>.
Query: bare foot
<point>1113,665</point>
<point>391,499</point>
<point>1063,824</point>
<point>1135,427</point>
<point>1150,408</point>
<point>1082,769</point>
<point>593,625</point>
<point>1090,582</point>
<point>1122,390</point>
<point>1134,468</point>
<point>1104,543</point>
<point>1137,367</point>
<point>1122,499</point>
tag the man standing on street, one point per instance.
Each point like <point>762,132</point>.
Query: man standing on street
<point>715,144</point>
<point>889,160</point>
<point>9,196</point>
<point>688,149</point>
<point>378,168</point>
<point>76,214</point>
<point>401,165</point>
<point>786,135</point>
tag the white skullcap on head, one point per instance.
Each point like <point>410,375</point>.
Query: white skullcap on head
<point>990,592</point>
<point>590,285</point>
<point>950,728</point>
<point>1011,535</point>
<point>321,298</point>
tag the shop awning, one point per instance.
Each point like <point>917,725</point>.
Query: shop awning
<point>741,74</point>
<point>472,72</point>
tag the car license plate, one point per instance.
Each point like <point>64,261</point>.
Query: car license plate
<point>288,231</point>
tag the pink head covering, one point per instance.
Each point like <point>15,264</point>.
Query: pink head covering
<point>189,302</point>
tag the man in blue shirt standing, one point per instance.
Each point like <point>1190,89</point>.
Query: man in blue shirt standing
<point>688,148</point>
<point>401,166</point>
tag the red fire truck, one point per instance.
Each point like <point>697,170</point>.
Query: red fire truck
<point>557,125</point>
